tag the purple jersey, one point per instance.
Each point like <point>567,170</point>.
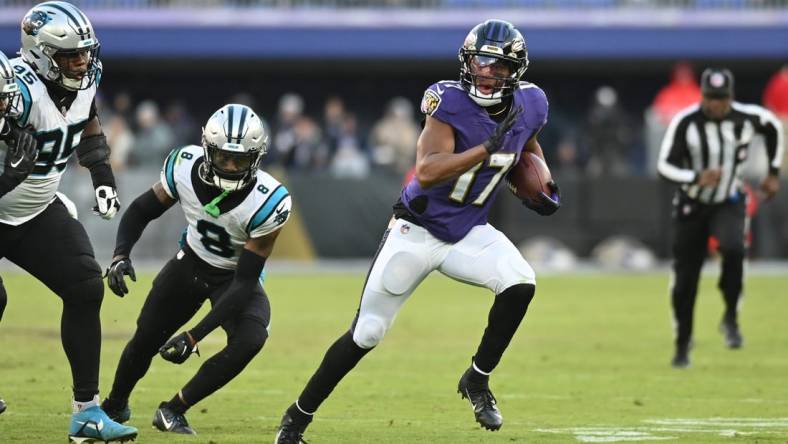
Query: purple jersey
<point>450,209</point>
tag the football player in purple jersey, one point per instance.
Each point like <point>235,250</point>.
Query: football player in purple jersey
<point>476,129</point>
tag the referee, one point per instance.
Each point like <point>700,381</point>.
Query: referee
<point>703,151</point>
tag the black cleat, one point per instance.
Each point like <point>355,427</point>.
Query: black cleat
<point>2,406</point>
<point>117,411</point>
<point>730,329</point>
<point>290,431</point>
<point>482,401</point>
<point>681,358</point>
<point>168,421</point>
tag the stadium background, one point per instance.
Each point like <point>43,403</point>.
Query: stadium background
<point>169,64</point>
<point>591,363</point>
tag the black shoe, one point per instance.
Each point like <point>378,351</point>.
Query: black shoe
<point>730,329</point>
<point>290,431</point>
<point>482,401</point>
<point>168,421</point>
<point>117,411</point>
<point>2,406</point>
<point>681,358</point>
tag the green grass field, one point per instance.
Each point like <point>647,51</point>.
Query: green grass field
<point>589,364</point>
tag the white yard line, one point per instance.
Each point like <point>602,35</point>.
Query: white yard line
<point>665,429</point>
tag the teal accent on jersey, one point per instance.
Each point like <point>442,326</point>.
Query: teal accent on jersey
<point>169,172</point>
<point>27,102</point>
<point>182,240</point>
<point>267,208</point>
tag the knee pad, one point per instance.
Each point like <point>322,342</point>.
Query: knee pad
<point>401,272</point>
<point>90,291</point>
<point>369,331</point>
<point>513,272</point>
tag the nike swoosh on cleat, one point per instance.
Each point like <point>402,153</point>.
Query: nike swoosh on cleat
<point>167,424</point>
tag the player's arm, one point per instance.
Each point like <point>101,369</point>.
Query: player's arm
<point>145,208</point>
<point>436,160</point>
<point>20,156</point>
<point>545,205</point>
<point>673,152</point>
<point>250,266</point>
<point>772,131</point>
<point>93,154</point>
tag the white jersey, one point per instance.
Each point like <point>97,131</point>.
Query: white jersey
<point>220,240</point>
<point>58,134</point>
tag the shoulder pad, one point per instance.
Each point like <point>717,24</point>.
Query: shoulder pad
<point>273,209</point>
<point>536,104</point>
<point>183,157</point>
<point>30,87</point>
<point>442,98</point>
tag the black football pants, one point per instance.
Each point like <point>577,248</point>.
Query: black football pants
<point>694,223</point>
<point>55,249</point>
<point>178,291</point>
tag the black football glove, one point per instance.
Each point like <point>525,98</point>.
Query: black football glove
<point>20,159</point>
<point>495,142</point>
<point>546,205</point>
<point>179,348</point>
<point>116,271</point>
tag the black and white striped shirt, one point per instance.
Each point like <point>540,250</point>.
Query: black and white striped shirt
<point>694,143</point>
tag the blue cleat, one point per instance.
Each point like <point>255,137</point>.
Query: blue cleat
<point>93,425</point>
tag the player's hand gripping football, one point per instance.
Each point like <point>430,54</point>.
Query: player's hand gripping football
<point>546,205</point>
<point>495,142</point>
<point>107,204</point>
<point>20,159</point>
<point>179,348</point>
<point>119,268</point>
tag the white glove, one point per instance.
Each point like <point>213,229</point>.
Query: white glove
<point>107,204</point>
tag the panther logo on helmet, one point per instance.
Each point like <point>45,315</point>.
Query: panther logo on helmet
<point>34,22</point>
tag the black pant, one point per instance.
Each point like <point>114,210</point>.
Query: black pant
<point>694,223</point>
<point>55,248</point>
<point>178,291</point>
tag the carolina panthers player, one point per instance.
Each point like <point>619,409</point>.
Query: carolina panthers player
<point>234,213</point>
<point>475,130</point>
<point>57,75</point>
<point>18,148</point>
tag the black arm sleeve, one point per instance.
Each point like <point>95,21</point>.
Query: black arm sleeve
<point>93,154</point>
<point>250,265</point>
<point>144,209</point>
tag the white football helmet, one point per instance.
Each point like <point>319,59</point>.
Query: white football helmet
<point>51,28</point>
<point>234,140</point>
<point>9,90</point>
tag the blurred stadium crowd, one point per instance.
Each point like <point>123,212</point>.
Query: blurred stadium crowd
<point>604,140</point>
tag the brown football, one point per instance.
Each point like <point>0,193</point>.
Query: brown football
<point>529,177</point>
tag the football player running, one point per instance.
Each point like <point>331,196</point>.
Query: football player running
<point>57,76</point>
<point>234,213</point>
<point>476,129</point>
